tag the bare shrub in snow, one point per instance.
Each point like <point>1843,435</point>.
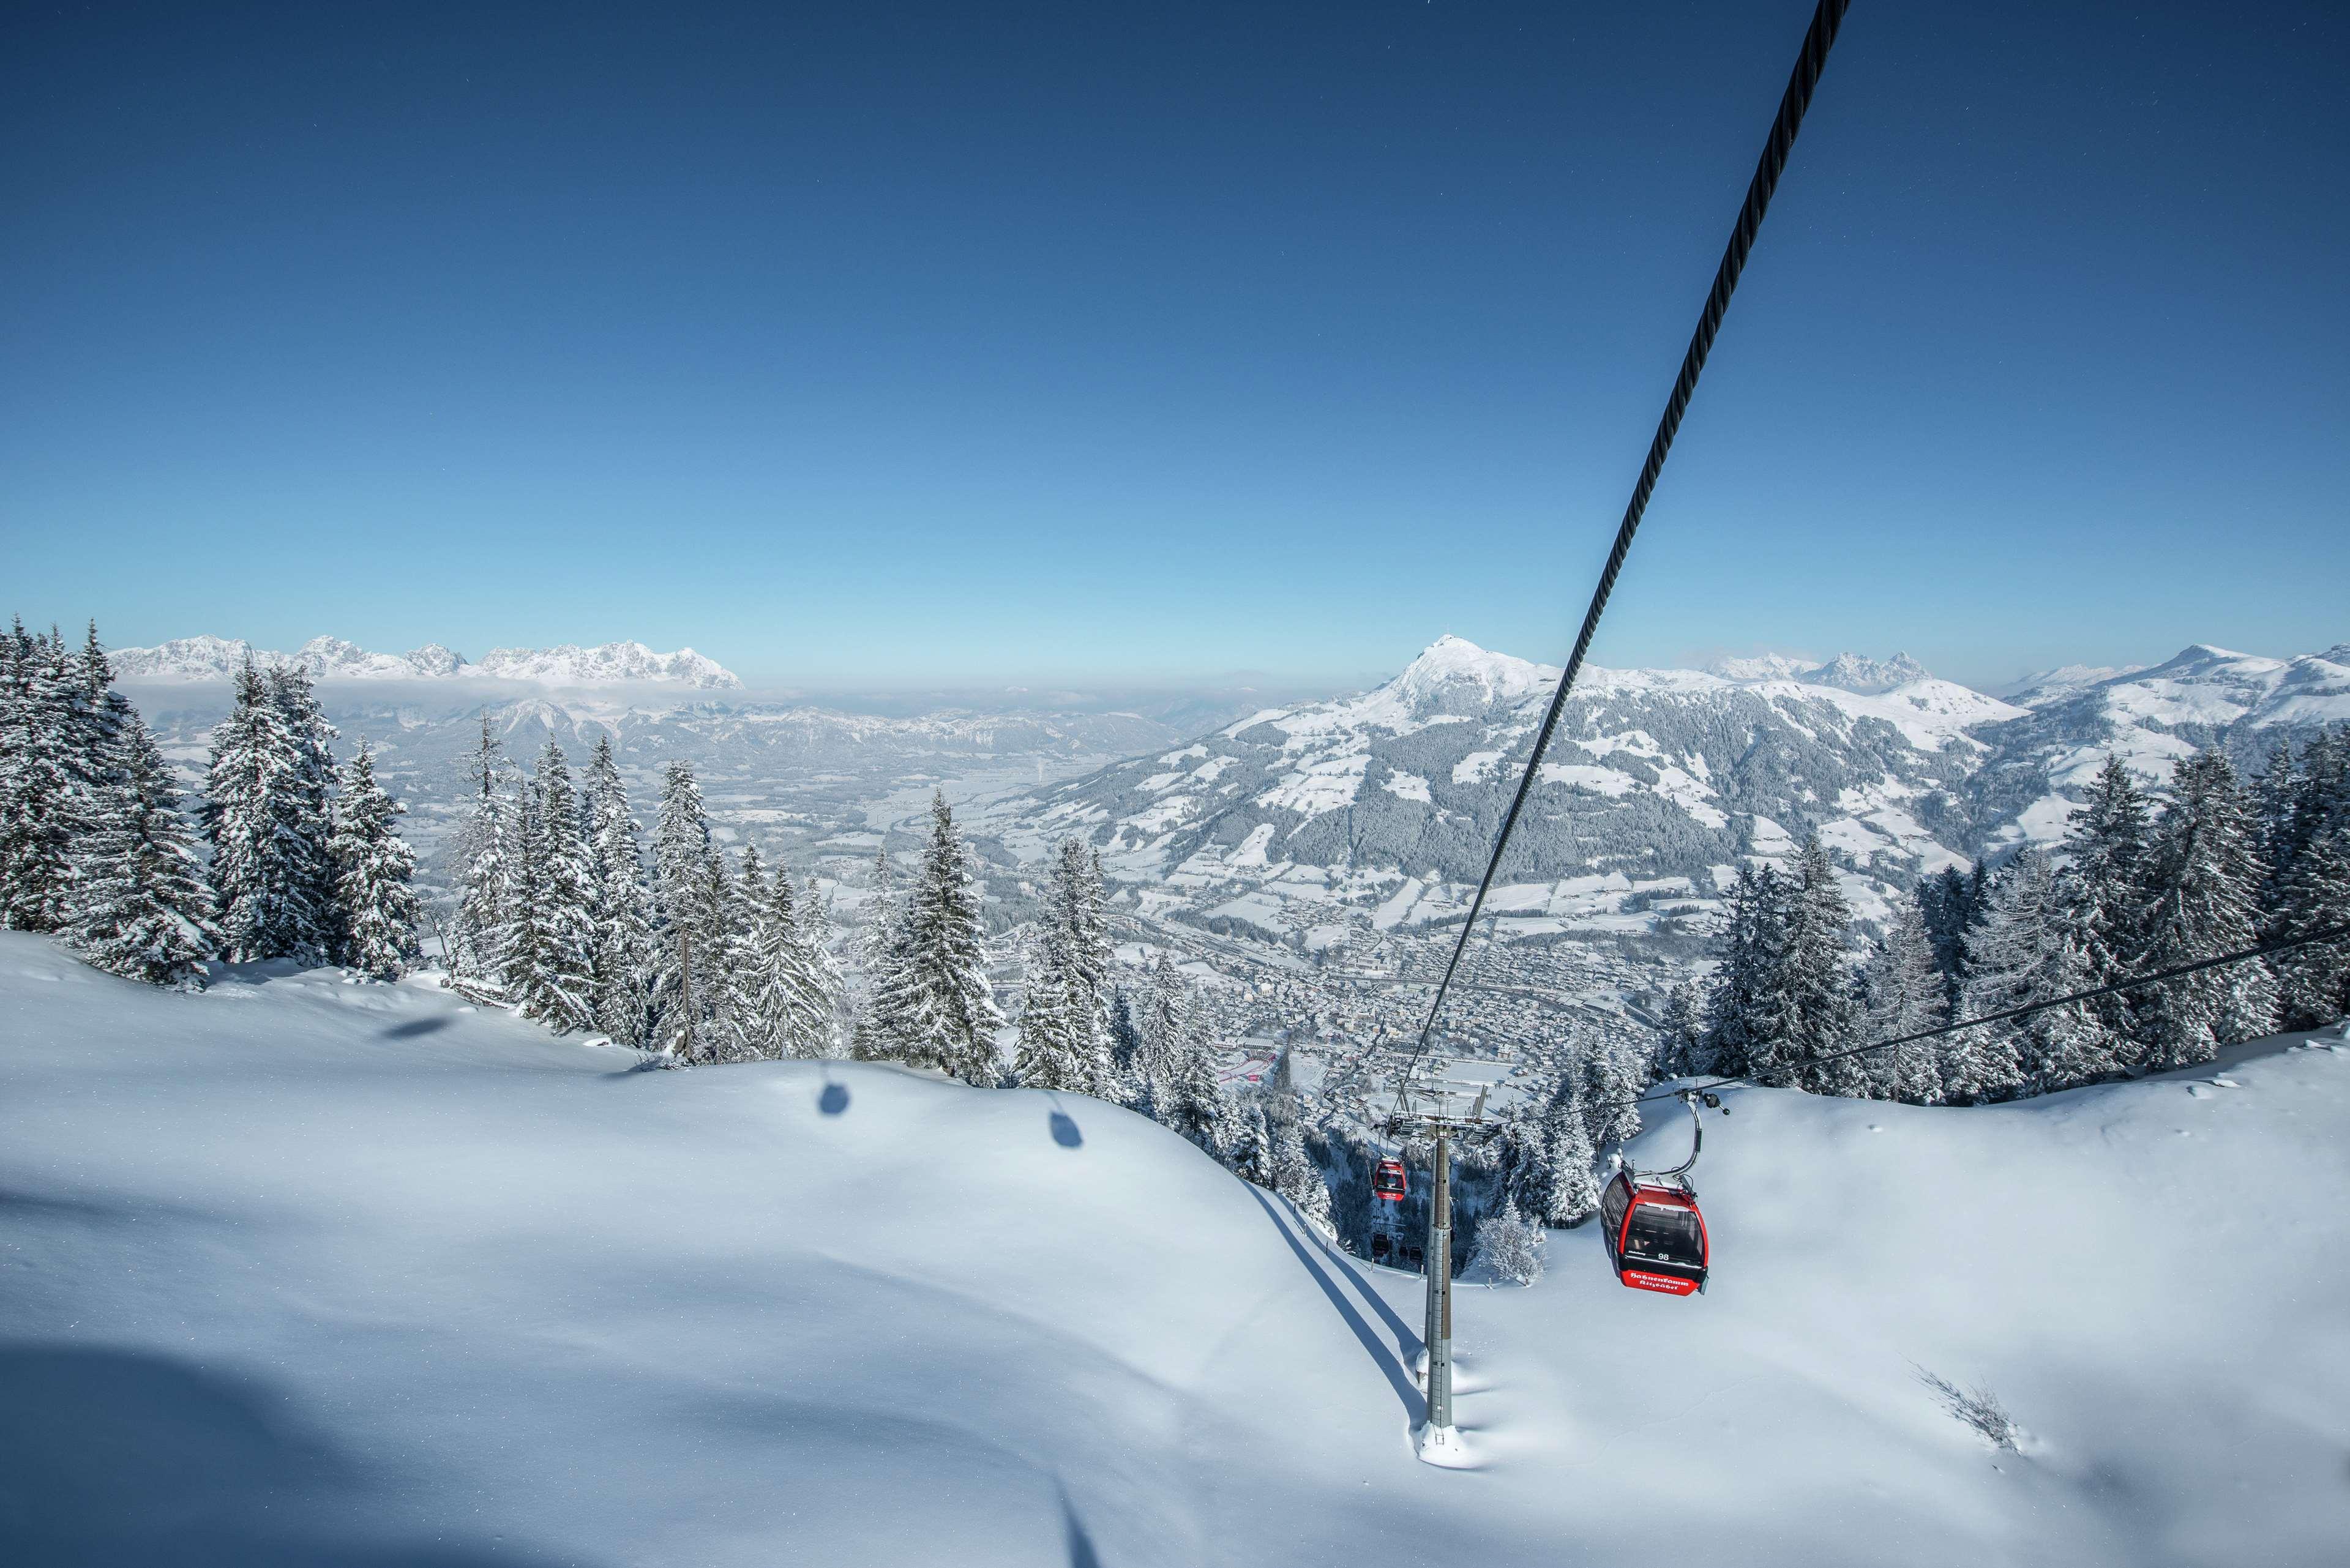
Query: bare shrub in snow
<point>1510,1247</point>
<point>1977,1409</point>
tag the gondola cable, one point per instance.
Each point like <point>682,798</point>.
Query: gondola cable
<point>1825,20</point>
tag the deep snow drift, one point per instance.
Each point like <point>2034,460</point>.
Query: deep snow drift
<point>304,1271</point>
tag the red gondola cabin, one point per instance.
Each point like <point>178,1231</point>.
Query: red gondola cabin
<point>1655,1232</point>
<point>1387,1181</point>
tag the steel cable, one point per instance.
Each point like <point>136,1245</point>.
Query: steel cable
<point>1809,64</point>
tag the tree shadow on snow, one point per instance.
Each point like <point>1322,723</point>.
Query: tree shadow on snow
<point>123,1457</point>
<point>416,1026</point>
<point>1414,1405</point>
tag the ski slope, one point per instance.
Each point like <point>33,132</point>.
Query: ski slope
<point>301,1271</point>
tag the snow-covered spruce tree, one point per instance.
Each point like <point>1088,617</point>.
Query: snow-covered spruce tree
<point>827,1026</point>
<point>2203,884</point>
<point>1612,1079</point>
<point>1510,1247</point>
<point>1078,917</point>
<point>1065,1027</point>
<point>1190,1101</point>
<point>2106,847</point>
<point>1680,1034</point>
<point>720,946</point>
<point>2028,950</point>
<point>1053,1051</point>
<point>1986,1063</point>
<point>306,790</point>
<point>787,995</point>
<point>622,952</point>
<point>520,951</point>
<point>481,931</point>
<point>1561,1189</point>
<point>20,780</point>
<point>1520,1152</point>
<point>374,875</point>
<point>1295,1174</point>
<point>1249,1151</point>
<point>939,998</point>
<point>876,1035</point>
<point>1949,908</point>
<point>141,908</point>
<point>263,842</point>
<point>751,1033</point>
<point>43,806</point>
<point>556,985</point>
<point>1125,1041</point>
<point>1748,954</point>
<point>1805,1012</point>
<point>2313,886</point>
<point>1904,989</point>
<point>1161,1022</point>
<point>679,990</point>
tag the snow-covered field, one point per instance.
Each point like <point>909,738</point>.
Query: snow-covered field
<point>298,1271</point>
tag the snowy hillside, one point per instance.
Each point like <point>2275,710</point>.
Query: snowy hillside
<point>2151,717</point>
<point>332,659</point>
<point>1657,782</point>
<point>303,1271</point>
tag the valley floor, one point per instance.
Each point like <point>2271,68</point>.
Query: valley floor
<point>304,1271</point>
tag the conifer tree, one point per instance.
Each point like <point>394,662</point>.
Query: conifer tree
<point>1611,1082</point>
<point>1250,1151</point>
<point>1051,1052</point>
<point>620,953</point>
<point>556,983</point>
<point>787,996</point>
<point>142,908</point>
<point>481,932</point>
<point>1161,1023</point>
<point>683,975</point>
<point>1560,1190</point>
<point>263,843</point>
<point>824,1035</point>
<point>305,793</point>
<point>1804,1009</point>
<point>1946,906</point>
<point>1749,950</point>
<point>2106,847</point>
<point>878,1036</point>
<point>374,873</point>
<point>939,997</point>
<point>1190,1101</point>
<point>1904,989</point>
<point>2204,881</point>
<point>1295,1176</point>
<point>42,804</point>
<point>1125,1041</point>
<point>1680,1034</point>
<point>2313,885</point>
<point>2032,952</point>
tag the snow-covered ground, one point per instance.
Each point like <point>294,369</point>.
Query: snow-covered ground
<point>299,1271</point>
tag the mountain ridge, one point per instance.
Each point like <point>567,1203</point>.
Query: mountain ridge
<point>209,658</point>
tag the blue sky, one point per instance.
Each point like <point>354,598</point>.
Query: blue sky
<point>1114,345</point>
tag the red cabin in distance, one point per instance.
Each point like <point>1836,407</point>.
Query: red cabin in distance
<point>1387,1181</point>
<point>1655,1232</point>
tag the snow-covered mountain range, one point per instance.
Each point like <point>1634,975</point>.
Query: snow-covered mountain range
<point>1656,783</point>
<point>332,659</point>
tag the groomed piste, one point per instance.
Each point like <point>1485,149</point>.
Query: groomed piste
<point>299,1271</point>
